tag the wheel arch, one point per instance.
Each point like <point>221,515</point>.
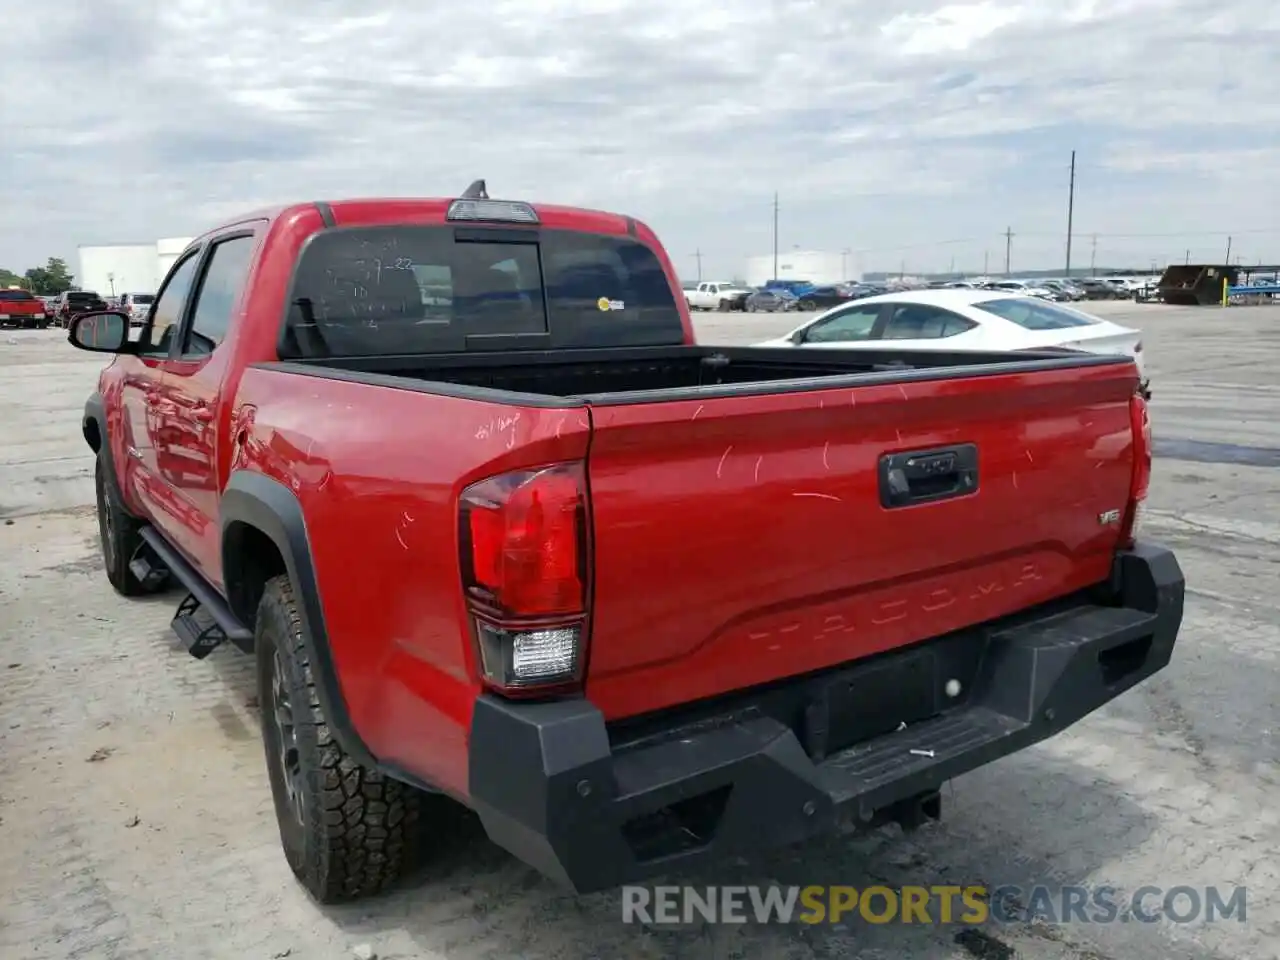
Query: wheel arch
<point>264,534</point>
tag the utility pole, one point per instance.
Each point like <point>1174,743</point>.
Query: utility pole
<point>1187,258</point>
<point>952,269</point>
<point>986,258</point>
<point>698,254</point>
<point>1071,208</point>
<point>1008,248</point>
<point>1228,260</point>
<point>1093,255</point>
<point>775,236</point>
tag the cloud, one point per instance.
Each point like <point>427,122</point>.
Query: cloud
<point>916,132</point>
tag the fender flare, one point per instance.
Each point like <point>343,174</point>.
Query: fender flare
<point>271,508</point>
<point>95,419</point>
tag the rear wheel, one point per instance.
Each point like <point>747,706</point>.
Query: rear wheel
<point>725,306</point>
<point>348,831</point>
<point>806,305</point>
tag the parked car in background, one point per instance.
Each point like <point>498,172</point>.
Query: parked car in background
<point>717,295</point>
<point>957,320</point>
<point>797,287</point>
<point>137,305</point>
<point>819,298</point>
<point>771,301</point>
<point>22,308</point>
<point>1026,288</point>
<point>75,302</point>
<point>1120,288</point>
<point>1097,289</point>
<point>1064,288</point>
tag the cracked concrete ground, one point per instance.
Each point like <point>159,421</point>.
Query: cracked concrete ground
<point>135,818</point>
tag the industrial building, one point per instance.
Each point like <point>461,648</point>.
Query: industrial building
<point>816,266</point>
<point>116,268</point>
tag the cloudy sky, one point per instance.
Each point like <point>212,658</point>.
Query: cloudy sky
<point>908,133</point>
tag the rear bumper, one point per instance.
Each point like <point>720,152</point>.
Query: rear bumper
<point>593,807</point>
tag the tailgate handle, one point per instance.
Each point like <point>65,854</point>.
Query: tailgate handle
<point>925,476</point>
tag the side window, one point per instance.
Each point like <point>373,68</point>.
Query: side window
<point>162,326</point>
<point>918,322</point>
<point>218,295</point>
<point>856,323</point>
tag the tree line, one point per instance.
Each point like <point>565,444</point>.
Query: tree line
<point>47,281</point>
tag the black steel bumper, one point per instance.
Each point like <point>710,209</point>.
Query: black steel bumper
<point>595,806</point>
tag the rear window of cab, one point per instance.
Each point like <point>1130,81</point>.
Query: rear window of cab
<point>377,291</point>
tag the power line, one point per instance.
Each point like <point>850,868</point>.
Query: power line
<point>1152,236</point>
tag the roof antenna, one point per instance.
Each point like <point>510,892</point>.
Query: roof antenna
<point>476,191</point>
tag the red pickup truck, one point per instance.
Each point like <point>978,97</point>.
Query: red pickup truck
<point>500,532</point>
<point>21,308</point>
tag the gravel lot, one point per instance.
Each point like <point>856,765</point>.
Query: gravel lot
<point>135,817</point>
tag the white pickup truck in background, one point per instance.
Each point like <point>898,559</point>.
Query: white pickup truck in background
<point>716,295</point>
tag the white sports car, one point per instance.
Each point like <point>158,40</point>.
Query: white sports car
<point>962,320</point>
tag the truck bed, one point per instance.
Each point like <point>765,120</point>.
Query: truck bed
<point>652,374</point>
<point>750,491</point>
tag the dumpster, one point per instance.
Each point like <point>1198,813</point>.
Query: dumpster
<point>1196,284</point>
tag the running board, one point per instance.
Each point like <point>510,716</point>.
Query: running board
<point>204,618</point>
<point>147,568</point>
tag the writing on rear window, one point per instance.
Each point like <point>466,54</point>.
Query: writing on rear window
<point>421,289</point>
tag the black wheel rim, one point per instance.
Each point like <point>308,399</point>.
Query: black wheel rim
<point>106,524</point>
<point>285,735</point>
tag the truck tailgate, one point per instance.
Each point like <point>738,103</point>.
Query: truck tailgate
<point>740,540</point>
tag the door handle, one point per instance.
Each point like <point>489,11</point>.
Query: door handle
<point>925,476</point>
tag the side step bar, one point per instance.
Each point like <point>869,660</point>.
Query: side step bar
<point>204,618</point>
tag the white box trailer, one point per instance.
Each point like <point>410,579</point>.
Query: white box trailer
<point>816,266</point>
<point>115,268</point>
<point>168,250</point>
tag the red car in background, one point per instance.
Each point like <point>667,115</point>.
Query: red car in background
<point>21,308</point>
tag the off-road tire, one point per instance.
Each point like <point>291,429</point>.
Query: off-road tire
<point>356,832</point>
<point>118,532</point>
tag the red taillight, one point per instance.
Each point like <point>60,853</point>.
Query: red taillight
<point>524,537</point>
<point>1140,423</point>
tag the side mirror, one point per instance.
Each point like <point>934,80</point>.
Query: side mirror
<point>798,336</point>
<point>100,331</point>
